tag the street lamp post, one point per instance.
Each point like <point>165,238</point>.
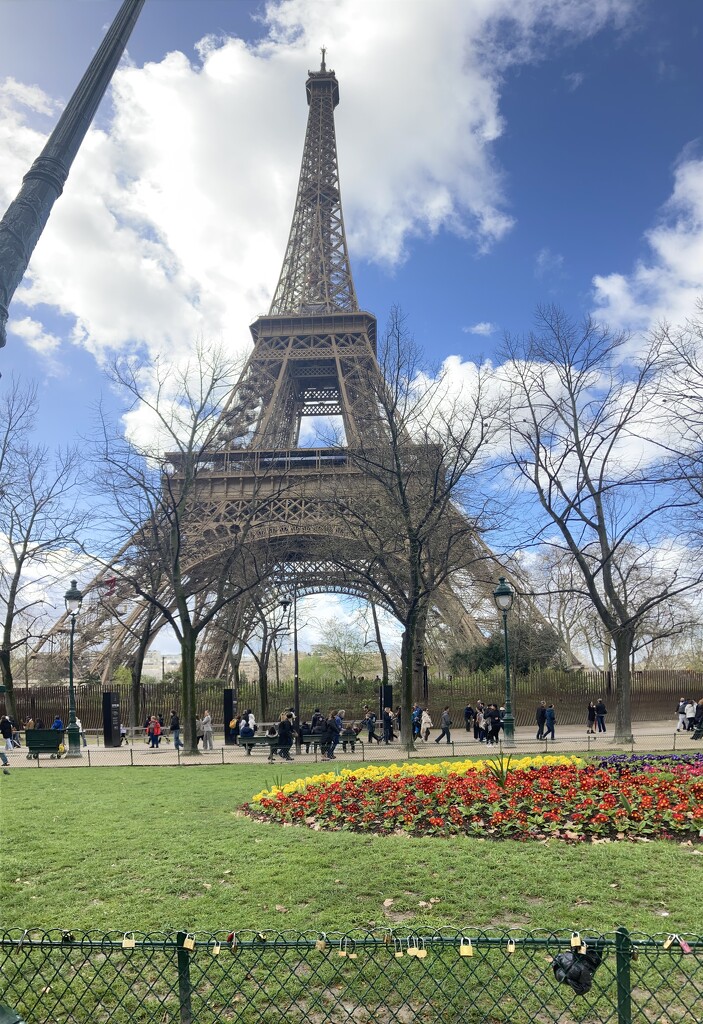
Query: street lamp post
<point>503,597</point>
<point>74,600</point>
<point>285,604</point>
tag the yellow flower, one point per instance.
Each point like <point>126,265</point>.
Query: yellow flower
<point>410,770</point>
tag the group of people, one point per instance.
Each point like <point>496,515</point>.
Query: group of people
<point>485,720</point>
<point>690,714</point>
<point>154,729</point>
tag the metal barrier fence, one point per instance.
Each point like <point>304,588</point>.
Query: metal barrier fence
<point>474,977</point>
<point>138,754</point>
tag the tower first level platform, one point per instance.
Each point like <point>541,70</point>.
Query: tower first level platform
<point>310,365</point>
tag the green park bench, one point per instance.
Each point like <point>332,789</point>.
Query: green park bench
<point>349,736</point>
<point>271,742</point>
<point>43,741</point>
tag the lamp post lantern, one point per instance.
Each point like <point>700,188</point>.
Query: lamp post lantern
<point>504,597</point>
<point>74,599</point>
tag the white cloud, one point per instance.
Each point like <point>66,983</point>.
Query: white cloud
<point>666,284</point>
<point>484,327</point>
<point>32,332</point>
<point>174,221</point>
<point>40,341</point>
<point>548,263</point>
<point>574,79</point>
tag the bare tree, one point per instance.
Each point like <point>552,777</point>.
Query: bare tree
<point>188,545</point>
<point>40,519</point>
<point>266,627</point>
<point>371,610</point>
<point>580,424</point>
<point>416,519</point>
<point>682,397</point>
<point>343,644</point>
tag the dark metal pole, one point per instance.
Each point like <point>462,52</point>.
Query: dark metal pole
<point>508,721</point>
<point>27,214</point>
<point>623,954</point>
<point>296,676</point>
<point>74,739</point>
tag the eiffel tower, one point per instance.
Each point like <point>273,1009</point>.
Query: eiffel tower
<point>314,355</point>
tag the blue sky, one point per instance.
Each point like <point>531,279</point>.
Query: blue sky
<point>494,156</point>
<point>591,126</point>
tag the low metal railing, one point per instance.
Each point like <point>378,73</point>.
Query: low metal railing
<point>389,977</point>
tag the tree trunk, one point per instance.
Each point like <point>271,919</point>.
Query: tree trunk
<point>379,644</point>
<point>235,659</point>
<point>406,688</point>
<point>418,659</point>
<point>7,682</point>
<point>135,711</point>
<point>190,744</point>
<point>624,640</point>
<point>263,690</point>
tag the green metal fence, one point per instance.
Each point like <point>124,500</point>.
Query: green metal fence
<point>474,977</point>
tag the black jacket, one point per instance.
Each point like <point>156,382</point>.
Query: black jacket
<point>285,732</point>
<point>541,715</point>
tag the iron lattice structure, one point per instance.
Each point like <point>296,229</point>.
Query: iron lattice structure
<point>314,355</point>
<point>316,275</point>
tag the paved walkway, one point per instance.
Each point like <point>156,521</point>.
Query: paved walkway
<point>648,736</point>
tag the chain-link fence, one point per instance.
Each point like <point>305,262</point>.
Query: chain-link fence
<point>483,977</point>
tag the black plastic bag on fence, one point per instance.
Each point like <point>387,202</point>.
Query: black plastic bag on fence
<point>577,969</point>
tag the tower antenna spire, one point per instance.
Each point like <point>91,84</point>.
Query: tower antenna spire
<point>27,214</point>
<point>316,276</point>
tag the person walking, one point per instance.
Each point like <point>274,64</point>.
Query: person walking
<point>591,718</point>
<point>445,724</point>
<point>330,737</point>
<point>493,723</point>
<point>550,722</point>
<point>468,717</point>
<point>416,718</point>
<point>681,712</point>
<point>285,735</point>
<point>698,721</point>
<point>690,714</point>
<point>480,724</point>
<point>601,712</point>
<point>199,731</point>
<point>387,725</point>
<point>80,732</point>
<point>154,732</point>
<point>541,717</point>
<point>6,731</point>
<point>425,725</point>
<point>207,730</point>
<point>370,725</point>
<point>478,719</point>
<point>174,726</point>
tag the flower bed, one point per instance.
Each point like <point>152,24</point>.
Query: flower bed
<point>536,798</point>
<point>645,762</point>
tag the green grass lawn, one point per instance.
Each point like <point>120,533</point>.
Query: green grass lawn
<point>166,848</point>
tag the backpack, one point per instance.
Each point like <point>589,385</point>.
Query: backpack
<point>577,969</point>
